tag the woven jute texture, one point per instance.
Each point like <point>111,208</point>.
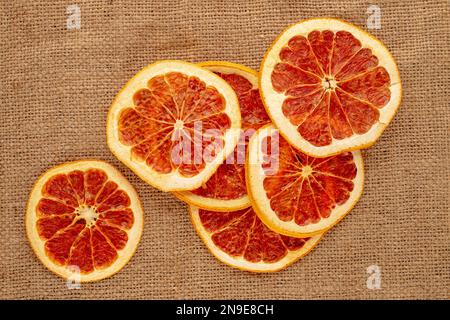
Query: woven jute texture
<point>56,87</point>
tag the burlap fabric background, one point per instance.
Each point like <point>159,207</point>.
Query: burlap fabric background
<point>57,85</point>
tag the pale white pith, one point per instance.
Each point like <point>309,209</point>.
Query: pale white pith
<point>261,203</point>
<point>274,100</point>
<point>232,68</point>
<point>213,203</point>
<point>240,262</point>
<point>134,234</point>
<point>173,181</point>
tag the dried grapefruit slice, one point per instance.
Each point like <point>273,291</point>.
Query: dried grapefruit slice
<point>298,195</point>
<point>173,124</point>
<point>84,220</point>
<point>239,239</point>
<point>329,86</point>
<point>226,189</point>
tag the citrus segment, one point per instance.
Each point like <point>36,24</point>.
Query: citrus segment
<point>173,124</point>
<point>241,240</point>
<point>48,226</point>
<point>226,189</point>
<point>102,251</point>
<point>296,194</point>
<point>81,252</point>
<point>58,247</point>
<point>84,219</point>
<point>329,86</point>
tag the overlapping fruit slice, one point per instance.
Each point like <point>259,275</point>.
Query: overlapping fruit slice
<point>226,189</point>
<point>84,220</point>
<point>329,86</point>
<point>173,124</point>
<point>296,194</point>
<point>241,240</point>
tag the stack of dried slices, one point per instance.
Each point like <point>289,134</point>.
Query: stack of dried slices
<point>267,162</point>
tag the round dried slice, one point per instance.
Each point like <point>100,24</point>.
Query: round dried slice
<point>226,189</point>
<point>298,195</point>
<point>329,86</point>
<point>239,239</point>
<point>173,124</point>
<point>84,220</point>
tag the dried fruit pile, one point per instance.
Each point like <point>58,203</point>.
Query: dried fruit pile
<point>267,162</point>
